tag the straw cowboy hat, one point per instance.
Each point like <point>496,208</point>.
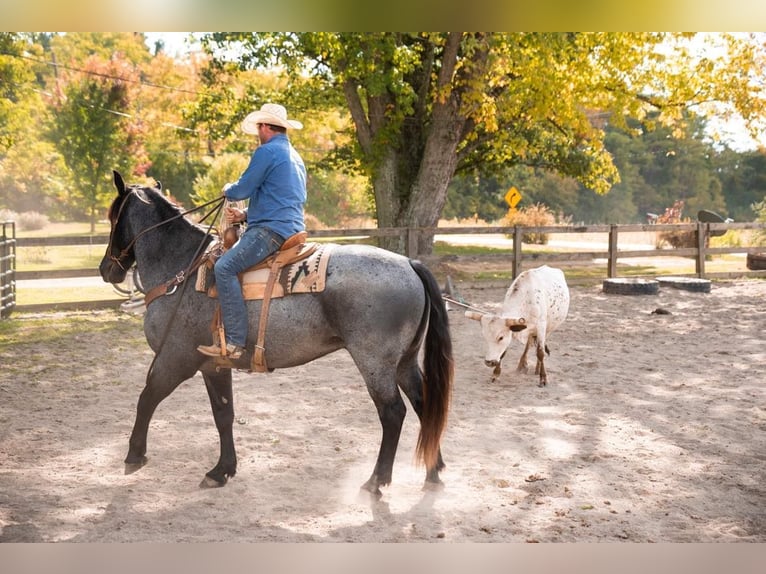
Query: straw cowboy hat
<point>272,114</point>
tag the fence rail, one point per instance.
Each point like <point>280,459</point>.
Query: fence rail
<point>518,254</point>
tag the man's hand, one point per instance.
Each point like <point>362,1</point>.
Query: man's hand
<point>234,215</point>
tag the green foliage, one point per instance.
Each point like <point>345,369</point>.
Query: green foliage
<point>176,171</point>
<point>760,215</point>
<point>222,170</point>
<point>427,106</point>
<point>337,200</point>
<point>436,124</point>
<point>15,88</point>
<point>95,134</point>
<point>476,197</point>
<point>743,182</point>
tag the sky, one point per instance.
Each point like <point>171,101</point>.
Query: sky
<point>175,42</point>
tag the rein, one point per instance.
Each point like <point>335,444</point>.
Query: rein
<point>180,278</point>
<point>129,246</point>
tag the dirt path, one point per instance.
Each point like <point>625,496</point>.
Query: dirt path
<point>652,428</point>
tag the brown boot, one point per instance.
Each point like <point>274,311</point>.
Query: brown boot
<point>232,351</point>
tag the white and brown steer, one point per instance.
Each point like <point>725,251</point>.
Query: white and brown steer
<point>536,303</point>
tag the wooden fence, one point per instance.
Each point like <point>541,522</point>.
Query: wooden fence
<point>7,268</point>
<point>519,255</point>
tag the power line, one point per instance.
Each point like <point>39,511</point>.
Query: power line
<point>100,74</point>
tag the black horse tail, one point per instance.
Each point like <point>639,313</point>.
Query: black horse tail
<point>438,370</point>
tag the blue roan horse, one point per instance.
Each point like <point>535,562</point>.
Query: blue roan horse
<point>379,306</point>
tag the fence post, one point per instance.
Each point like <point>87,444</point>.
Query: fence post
<point>411,248</point>
<point>700,262</point>
<point>516,264</point>
<point>611,270</point>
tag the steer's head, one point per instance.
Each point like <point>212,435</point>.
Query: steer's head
<point>497,332</point>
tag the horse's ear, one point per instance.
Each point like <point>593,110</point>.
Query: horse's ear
<point>158,184</point>
<point>118,182</point>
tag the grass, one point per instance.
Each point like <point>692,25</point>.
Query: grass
<point>39,258</point>
<point>58,327</point>
<point>64,229</point>
<point>56,294</point>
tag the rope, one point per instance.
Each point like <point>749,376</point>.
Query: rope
<point>451,300</point>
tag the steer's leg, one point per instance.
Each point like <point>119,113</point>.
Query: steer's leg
<point>523,366</point>
<point>540,368</point>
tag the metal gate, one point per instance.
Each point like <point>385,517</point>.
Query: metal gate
<point>7,269</point>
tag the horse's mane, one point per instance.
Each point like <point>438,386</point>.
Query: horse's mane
<point>167,207</point>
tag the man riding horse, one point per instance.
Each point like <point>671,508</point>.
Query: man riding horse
<point>275,184</point>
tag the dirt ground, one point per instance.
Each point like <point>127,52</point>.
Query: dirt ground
<point>652,429</point>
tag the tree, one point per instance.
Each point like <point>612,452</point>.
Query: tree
<point>13,77</point>
<point>743,180</point>
<point>425,106</point>
<point>94,133</point>
<point>30,168</point>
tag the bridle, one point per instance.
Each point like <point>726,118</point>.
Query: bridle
<point>179,277</point>
<point>218,205</point>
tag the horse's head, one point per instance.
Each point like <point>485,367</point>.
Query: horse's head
<point>120,253</point>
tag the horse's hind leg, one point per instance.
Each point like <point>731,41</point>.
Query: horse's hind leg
<point>221,401</point>
<point>391,411</point>
<point>411,382</point>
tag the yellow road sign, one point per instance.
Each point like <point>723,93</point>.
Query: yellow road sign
<point>513,197</point>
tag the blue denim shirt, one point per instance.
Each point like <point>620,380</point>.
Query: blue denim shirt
<point>275,184</point>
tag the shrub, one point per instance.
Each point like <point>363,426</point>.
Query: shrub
<point>537,215</point>
<point>7,215</point>
<point>759,236</point>
<point>31,221</point>
<point>37,255</point>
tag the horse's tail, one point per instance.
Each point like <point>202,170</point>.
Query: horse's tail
<point>438,370</point>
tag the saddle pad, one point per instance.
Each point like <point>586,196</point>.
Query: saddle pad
<point>303,276</point>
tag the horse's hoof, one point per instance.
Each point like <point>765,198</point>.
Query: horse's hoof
<point>131,467</point>
<point>368,491</point>
<point>430,486</point>
<point>208,482</point>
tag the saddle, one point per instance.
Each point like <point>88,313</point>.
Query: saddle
<point>298,267</point>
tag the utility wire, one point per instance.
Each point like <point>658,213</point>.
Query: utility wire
<point>100,74</point>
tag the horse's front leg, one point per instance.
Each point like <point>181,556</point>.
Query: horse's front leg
<point>158,387</point>
<point>219,389</point>
<point>168,370</point>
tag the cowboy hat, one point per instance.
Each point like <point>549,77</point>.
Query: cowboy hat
<point>272,114</point>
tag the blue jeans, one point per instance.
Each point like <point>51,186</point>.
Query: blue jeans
<point>254,245</point>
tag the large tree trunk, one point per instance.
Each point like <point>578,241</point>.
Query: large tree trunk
<point>428,192</point>
<point>411,171</point>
